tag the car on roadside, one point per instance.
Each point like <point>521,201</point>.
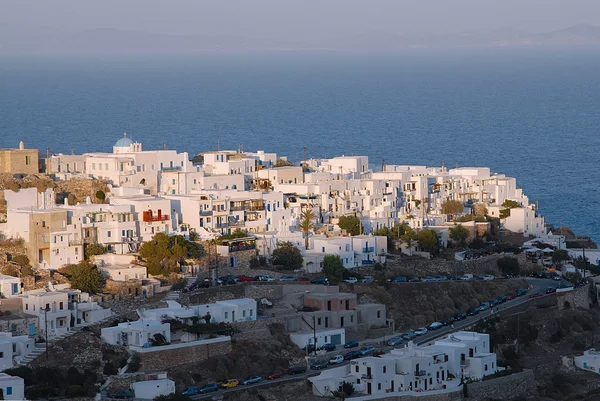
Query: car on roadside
<point>320,280</point>
<point>231,383</point>
<point>367,350</point>
<point>351,344</point>
<point>441,278</point>
<point>191,390</point>
<point>428,279</point>
<point>392,342</point>
<point>488,277</point>
<point>484,306</point>
<point>336,360</point>
<point>473,311</point>
<point>296,370</point>
<point>122,395</point>
<point>320,364</point>
<point>368,279</point>
<point>478,277</point>
<point>352,355</point>
<point>447,321</point>
<point>303,279</point>
<point>409,335</point>
<point>287,278</point>
<point>244,278</point>
<point>435,326</point>
<point>521,291</point>
<point>460,316</point>
<point>399,279</point>
<point>556,277</point>
<point>536,295</point>
<point>414,280</point>
<point>208,388</point>
<point>421,331</point>
<point>550,290</point>
<point>252,380</point>
<point>351,280</point>
<point>278,374</point>
<point>510,297</point>
<point>327,347</point>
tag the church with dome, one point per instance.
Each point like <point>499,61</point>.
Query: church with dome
<point>126,145</point>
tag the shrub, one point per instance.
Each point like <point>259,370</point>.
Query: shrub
<point>135,363</point>
<point>75,390</point>
<point>179,285</point>
<point>110,369</point>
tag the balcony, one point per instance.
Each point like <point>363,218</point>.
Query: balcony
<point>75,242</point>
<point>366,377</point>
<point>367,262</point>
<point>420,373</point>
<point>206,213</point>
<point>150,218</point>
<point>368,249</point>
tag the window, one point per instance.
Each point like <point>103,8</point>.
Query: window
<point>485,368</point>
<point>109,234</point>
<point>226,313</point>
<point>384,369</point>
<point>1,354</point>
<point>26,306</point>
<point>61,306</point>
<point>378,386</point>
<point>174,181</point>
<point>250,311</point>
<point>319,321</point>
<point>244,313</point>
<point>492,365</point>
<point>9,390</point>
<point>28,160</point>
<point>356,368</point>
<point>378,314</point>
<point>105,166</point>
<point>47,306</point>
<point>123,233</point>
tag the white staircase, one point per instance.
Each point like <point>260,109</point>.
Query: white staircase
<point>40,348</point>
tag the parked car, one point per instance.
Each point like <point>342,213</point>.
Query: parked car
<point>263,277</point>
<point>368,279</point>
<point>447,321</point>
<point>327,347</point>
<point>478,277</point>
<point>521,291</point>
<point>460,316</point>
<point>208,388</point>
<point>550,290</point>
<point>296,370</point>
<point>252,380</point>
<point>441,278</point>
<point>320,280</point>
<point>473,311</point>
<point>409,335</point>
<point>510,297</point>
<point>399,279</point>
<point>392,342</point>
<point>245,278</point>
<point>414,280</point>
<point>287,278</point>
<point>320,364</point>
<point>278,374</point>
<point>488,277</point>
<point>231,383</point>
<point>484,306</point>
<point>352,355</point>
<point>466,277</point>
<point>351,280</point>
<point>203,284</point>
<point>556,277</point>
<point>369,349</point>
<point>191,390</point>
<point>428,279</point>
<point>421,331</point>
<point>435,326</point>
<point>122,395</point>
<point>336,360</point>
<point>351,344</point>
<point>536,295</point>
<point>303,279</point>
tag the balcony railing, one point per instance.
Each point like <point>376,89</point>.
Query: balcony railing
<point>149,218</point>
<point>419,373</point>
<point>368,249</point>
<point>206,213</point>
<point>367,262</point>
<point>367,377</point>
<point>464,362</point>
<point>75,242</point>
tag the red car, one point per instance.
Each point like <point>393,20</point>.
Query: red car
<point>245,278</point>
<point>276,375</point>
<point>536,295</point>
<point>510,297</point>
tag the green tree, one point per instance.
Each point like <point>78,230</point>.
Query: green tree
<point>282,163</point>
<point>459,235</point>
<point>94,249</point>
<point>164,254</point>
<point>386,232</point>
<point>480,210</point>
<point>560,255</point>
<point>351,224</point>
<point>452,207</point>
<point>24,265</point>
<point>428,240</point>
<point>288,256</point>
<point>306,224</point>
<point>101,196</point>
<point>409,237</point>
<point>509,265</point>
<point>574,277</point>
<point>237,233</point>
<point>333,268</point>
<point>507,205</point>
<point>84,276</point>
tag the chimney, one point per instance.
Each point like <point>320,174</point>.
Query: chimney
<point>21,146</point>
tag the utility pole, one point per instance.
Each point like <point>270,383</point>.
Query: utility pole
<point>304,161</point>
<point>584,261</point>
<point>382,164</point>
<point>46,330</point>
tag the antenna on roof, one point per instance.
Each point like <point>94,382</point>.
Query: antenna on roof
<point>164,146</point>
<point>124,134</point>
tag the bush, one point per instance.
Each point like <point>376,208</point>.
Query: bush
<point>179,285</point>
<point>135,363</point>
<point>110,369</point>
<point>288,256</point>
<point>509,265</point>
<point>75,390</point>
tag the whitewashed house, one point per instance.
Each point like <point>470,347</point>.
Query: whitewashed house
<point>590,361</point>
<point>20,347</point>
<point>9,286</point>
<point>150,389</point>
<point>52,310</point>
<point>13,387</point>
<point>136,334</point>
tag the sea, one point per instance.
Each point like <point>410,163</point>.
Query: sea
<point>530,113</point>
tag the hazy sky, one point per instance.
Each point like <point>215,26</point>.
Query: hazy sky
<point>291,19</point>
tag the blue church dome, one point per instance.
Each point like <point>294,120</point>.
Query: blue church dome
<point>124,142</point>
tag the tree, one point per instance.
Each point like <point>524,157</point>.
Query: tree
<point>94,249</point>
<point>477,243</point>
<point>351,224</point>
<point>560,255</point>
<point>452,207</point>
<point>306,224</point>
<point>386,232</point>
<point>84,276</point>
<point>282,163</point>
<point>333,268</point>
<point>24,264</point>
<point>427,239</point>
<point>509,265</point>
<point>408,237</point>
<point>100,195</point>
<point>288,256</point>
<point>573,277</point>
<point>164,254</point>
<point>507,205</point>
<point>459,235</point>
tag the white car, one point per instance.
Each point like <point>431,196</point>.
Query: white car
<point>421,331</point>
<point>351,280</point>
<point>435,326</point>
<point>336,360</point>
<point>488,277</point>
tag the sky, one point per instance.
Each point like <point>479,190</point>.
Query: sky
<point>306,19</point>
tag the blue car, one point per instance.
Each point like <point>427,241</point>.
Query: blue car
<point>252,380</point>
<point>191,390</point>
<point>351,344</point>
<point>209,388</point>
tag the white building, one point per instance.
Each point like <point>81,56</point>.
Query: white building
<point>9,286</point>
<point>136,334</point>
<point>52,310</point>
<point>230,311</point>
<point>14,349</point>
<point>150,389</point>
<point>152,214</point>
<point>13,387</point>
<point>590,361</point>
<point>331,336</point>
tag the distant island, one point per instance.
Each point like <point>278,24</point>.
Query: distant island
<point>18,40</point>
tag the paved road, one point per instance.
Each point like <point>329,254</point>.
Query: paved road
<point>536,285</point>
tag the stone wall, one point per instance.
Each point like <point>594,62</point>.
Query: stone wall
<point>576,299</point>
<point>18,324</point>
<point>244,290</point>
<point>173,355</point>
<point>503,388</point>
<point>362,331</point>
<point>123,289</point>
<point>254,329</point>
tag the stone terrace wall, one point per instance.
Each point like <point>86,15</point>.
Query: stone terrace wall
<point>254,329</point>
<point>169,356</point>
<point>244,290</point>
<point>422,267</point>
<point>503,388</point>
<point>577,299</point>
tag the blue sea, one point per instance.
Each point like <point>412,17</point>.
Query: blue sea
<point>531,113</point>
